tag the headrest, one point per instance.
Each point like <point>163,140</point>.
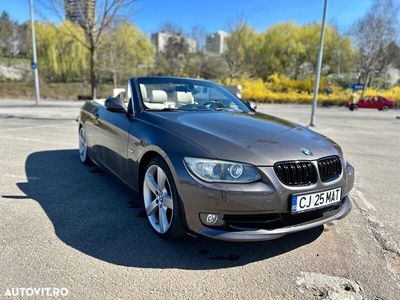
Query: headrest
<point>128,93</point>
<point>158,96</point>
<point>118,91</point>
<point>184,97</point>
<point>143,91</point>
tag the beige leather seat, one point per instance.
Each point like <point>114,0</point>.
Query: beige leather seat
<point>183,98</point>
<point>143,91</point>
<point>158,100</point>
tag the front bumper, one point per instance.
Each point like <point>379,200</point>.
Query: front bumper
<point>250,234</point>
<point>264,198</point>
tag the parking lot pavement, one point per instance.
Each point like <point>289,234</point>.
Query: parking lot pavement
<point>70,226</point>
<point>47,110</point>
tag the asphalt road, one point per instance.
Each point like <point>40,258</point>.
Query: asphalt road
<point>66,225</point>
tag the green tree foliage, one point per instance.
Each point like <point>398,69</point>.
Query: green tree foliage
<point>288,49</point>
<point>242,47</point>
<point>125,52</point>
<point>281,50</point>
<point>291,50</point>
<point>61,57</point>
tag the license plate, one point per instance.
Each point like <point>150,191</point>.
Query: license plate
<point>306,202</point>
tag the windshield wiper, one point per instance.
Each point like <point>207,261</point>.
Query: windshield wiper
<point>226,109</point>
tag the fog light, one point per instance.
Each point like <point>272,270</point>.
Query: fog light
<point>212,219</point>
<point>209,219</point>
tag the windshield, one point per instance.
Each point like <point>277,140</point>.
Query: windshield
<point>172,94</point>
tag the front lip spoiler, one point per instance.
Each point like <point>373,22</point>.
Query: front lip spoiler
<point>249,234</point>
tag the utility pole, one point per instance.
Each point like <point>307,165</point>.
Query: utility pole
<point>34,55</point>
<point>319,64</point>
<point>339,60</point>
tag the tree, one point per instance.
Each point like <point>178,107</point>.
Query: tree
<point>173,59</point>
<point>281,51</point>
<point>291,50</point>
<point>213,67</point>
<point>106,11</point>
<point>61,56</point>
<point>393,55</point>
<point>10,36</point>
<point>334,42</point>
<point>372,34</point>
<point>125,52</point>
<point>241,47</point>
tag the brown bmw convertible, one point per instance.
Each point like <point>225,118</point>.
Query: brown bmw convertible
<point>206,163</point>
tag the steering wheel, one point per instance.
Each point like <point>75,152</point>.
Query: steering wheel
<point>190,106</point>
<point>213,104</point>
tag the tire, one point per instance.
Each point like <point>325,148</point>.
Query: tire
<point>385,108</point>
<point>83,151</point>
<point>161,200</point>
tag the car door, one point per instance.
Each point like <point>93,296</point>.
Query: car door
<point>361,103</point>
<point>113,141</point>
<point>374,102</point>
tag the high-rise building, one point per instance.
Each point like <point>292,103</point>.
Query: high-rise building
<point>216,42</point>
<point>80,11</point>
<point>160,40</point>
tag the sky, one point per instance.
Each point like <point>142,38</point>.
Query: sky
<point>215,15</point>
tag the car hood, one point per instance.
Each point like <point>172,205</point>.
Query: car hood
<point>253,138</point>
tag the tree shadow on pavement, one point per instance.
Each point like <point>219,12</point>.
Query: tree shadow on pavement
<point>92,213</point>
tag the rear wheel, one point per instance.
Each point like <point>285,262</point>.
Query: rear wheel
<point>83,152</point>
<point>161,200</point>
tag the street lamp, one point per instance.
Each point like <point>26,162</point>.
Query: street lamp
<point>319,63</point>
<point>34,65</point>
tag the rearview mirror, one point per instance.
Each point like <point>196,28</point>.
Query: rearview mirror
<point>253,105</point>
<point>115,104</point>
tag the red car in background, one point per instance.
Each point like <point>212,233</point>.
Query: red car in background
<point>377,102</point>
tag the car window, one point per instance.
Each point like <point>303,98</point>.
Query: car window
<point>168,94</point>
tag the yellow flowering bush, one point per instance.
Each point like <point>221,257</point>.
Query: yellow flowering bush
<point>281,89</point>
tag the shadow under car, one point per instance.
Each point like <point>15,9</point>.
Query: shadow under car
<point>94,213</point>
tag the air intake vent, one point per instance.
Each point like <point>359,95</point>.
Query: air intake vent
<point>296,173</point>
<point>329,168</point>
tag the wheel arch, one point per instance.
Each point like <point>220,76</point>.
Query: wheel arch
<point>150,153</point>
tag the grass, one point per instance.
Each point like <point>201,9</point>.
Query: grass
<point>62,91</point>
<point>15,61</point>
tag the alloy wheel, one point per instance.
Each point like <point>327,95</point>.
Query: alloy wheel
<point>82,145</point>
<point>158,201</point>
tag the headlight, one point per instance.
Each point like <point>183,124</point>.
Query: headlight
<point>349,168</point>
<point>221,171</point>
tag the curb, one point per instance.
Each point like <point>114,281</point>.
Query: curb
<point>27,117</point>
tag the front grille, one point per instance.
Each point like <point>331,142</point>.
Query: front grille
<point>329,168</point>
<point>296,173</point>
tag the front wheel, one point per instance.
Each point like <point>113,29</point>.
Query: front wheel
<point>83,152</point>
<point>161,200</point>
<point>385,108</point>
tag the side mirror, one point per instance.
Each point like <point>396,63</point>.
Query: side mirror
<point>115,104</point>
<point>252,105</point>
